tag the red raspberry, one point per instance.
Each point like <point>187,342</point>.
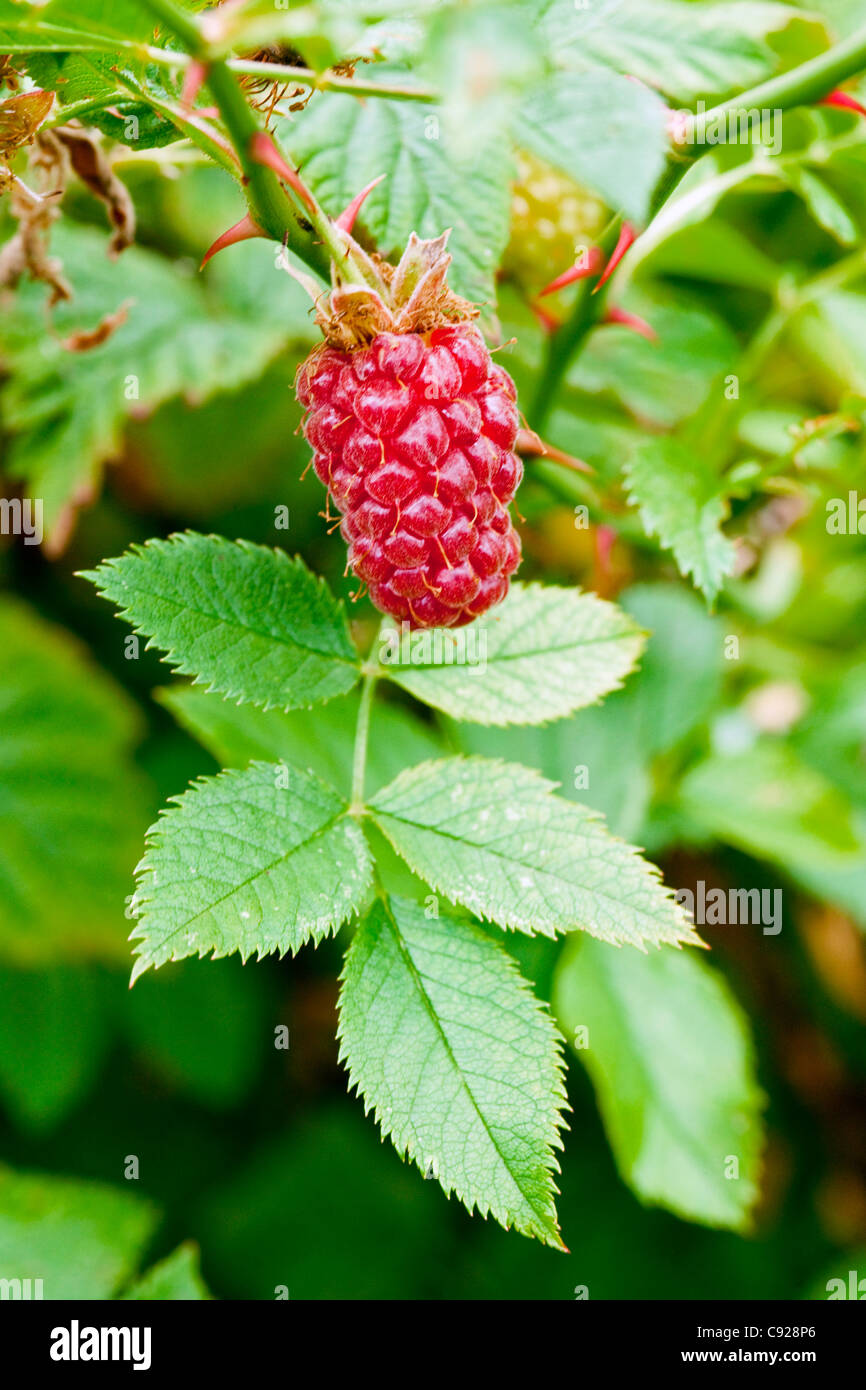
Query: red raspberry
<point>413,437</point>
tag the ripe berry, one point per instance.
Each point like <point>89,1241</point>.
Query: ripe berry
<point>414,435</point>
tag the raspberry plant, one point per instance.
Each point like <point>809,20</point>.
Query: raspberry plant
<point>436,851</point>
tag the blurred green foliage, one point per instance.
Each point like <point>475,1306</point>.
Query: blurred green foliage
<point>735,755</point>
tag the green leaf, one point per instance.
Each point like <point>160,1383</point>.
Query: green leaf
<point>72,805</point>
<point>53,1037</point>
<point>607,133</point>
<point>768,803</point>
<point>686,50</point>
<point>541,654</point>
<point>254,861</point>
<point>342,144</point>
<point>457,1060</point>
<point>604,755</point>
<point>682,504</point>
<point>321,739</point>
<point>831,335</point>
<point>175,1279</point>
<point>65,24</point>
<point>663,381</point>
<point>824,204</point>
<point>245,619</point>
<point>462,43</point>
<point>492,836</point>
<point>670,1056</point>
<point>65,411</point>
<point>680,681</point>
<point>82,1239</point>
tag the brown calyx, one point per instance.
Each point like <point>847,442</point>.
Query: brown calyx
<point>371,296</point>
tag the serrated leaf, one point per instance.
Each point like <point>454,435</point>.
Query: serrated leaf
<point>65,411</point>
<point>683,505</point>
<point>72,804</point>
<point>244,619</point>
<point>676,1113</point>
<point>82,1239</point>
<point>606,132</point>
<point>686,50</point>
<point>459,1063</point>
<point>176,1278</point>
<point>540,655</point>
<point>493,836</point>
<point>342,144</point>
<point>256,861</point>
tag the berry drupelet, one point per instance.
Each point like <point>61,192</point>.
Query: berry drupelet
<point>413,428</point>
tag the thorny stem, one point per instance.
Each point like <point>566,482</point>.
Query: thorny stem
<point>270,206</point>
<point>800,86</point>
<point>565,342</point>
<point>304,77</point>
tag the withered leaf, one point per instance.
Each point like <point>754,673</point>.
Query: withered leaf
<point>20,118</point>
<point>89,161</point>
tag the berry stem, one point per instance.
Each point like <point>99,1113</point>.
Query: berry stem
<point>362,728</point>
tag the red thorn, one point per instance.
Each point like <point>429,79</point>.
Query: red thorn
<point>632,321</point>
<point>626,237</point>
<point>193,81</point>
<point>264,151</point>
<point>587,265</point>
<point>604,539</point>
<point>346,220</point>
<point>844,101</point>
<point>241,231</point>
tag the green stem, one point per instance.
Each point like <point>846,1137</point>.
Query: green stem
<point>800,86</point>
<point>328,81</point>
<point>362,731</point>
<point>270,207</point>
<point>565,342</point>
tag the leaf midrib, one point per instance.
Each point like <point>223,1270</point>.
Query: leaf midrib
<point>434,1017</point>
<point>509,858</point>
<point>225,622</point>
<point>264,869</point>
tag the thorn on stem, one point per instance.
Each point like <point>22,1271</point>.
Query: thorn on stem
<point>193,80</point>
<point>241,231</point>
<point>627,237</point>
<point>588,265</point>
<point>264,151</point>
<point>632,321</point>
<point>843,101</point>
<point>346,219</point>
